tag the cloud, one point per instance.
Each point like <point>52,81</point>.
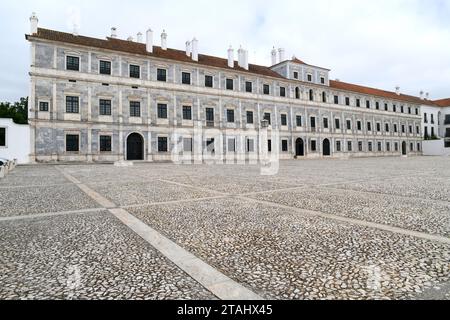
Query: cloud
<point>380,43</point>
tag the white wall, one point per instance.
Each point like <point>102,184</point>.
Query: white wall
<point>430,111</point>
<point>17,141</point>
<point>435,148</point>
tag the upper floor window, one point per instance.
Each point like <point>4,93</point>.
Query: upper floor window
<point>417,111</point>
<point>347,101</point>
<point>105,107</point>
<point>295,75</point>
<point>395,128</point>
<point>386,127</point>
<point>185,78</point>
<point>105,67</point>
<point>230,84</point>
<point>336,99</point>
<point>311,95</point>
<point>403,128</point>
<point>297,93</point>
<point>425,117</point>
<point>378,127</point>
<point>161,75</point>
<point>135,109</point>
<point>2,137</point>
<point>73,63</point>
<point>313,122</point>
<point>135,71</point>
<point>248,86</point>
<point>322,80</point>
<point>187,113</point>
<point>209,114</point>
<point>298,121</point>
<point>367,104</point>
<point>162,111</point>
<point>266,89</point>
<point>230,115</point>
<point>282,92</point>
<point>359,125</point>
<point>324,96</point>
<point>250,117</point>
<point>337,123</point>
<point>409,110</point>
<point>309,77</point>
<point>267,117</point>
<point>394,108</point>
<point>349,125</point>
<point>377,105</point>
<point>209,81</point>
<point>358,102</point>
<point>402,109</point>
<point>325,123</point>
<point>43,106</point>
<point>369,126</point>
<point>284,120</point>
<point>432,118</point>
<point>72,104</point>
<point>72,143</point>
<point>386,108</point>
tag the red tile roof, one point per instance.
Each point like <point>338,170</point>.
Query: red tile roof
<point>443,102</point>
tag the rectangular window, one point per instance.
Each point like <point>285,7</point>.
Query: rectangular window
<point>105,107</point>
<point>161,75</point>
<point>72,143</point>
<point>295,75</point>
<point>135,71</point>
<point>338,146</point>
<point>411,129</point>
<point>185,78</point>
<point>210,145</point>
<point>313,145</point>
<point>269,145</point>
<point>358,102</point>
<point>395,128</point>
<point>105,67</point>
<point>349,146</point>
<point>386,108</point>
<point>377,105</point>
<point>230,84</point>
<point>347,101</point>
<point>337,123</point>
<point>266,89</point>
<point>298,121</point>
<point>73,63</point>
<point>309,77</point>
<point>325,123</point>
<point>162,111</point>
<point>386,127</point>
<point>72,104</point>
<point>248,86</point>
<point>135,109</point>
<point>447,119</point>
<point>359,125</point>
<point>388,146</point>
<point>284,120</point>
<point>250,117</point>
<point>187,144</point>
<point>369,126</point>
<point>369,145</point>
<point>322,80</point>
<point>313,122</point>
<point>368,104</point>
<point>378,127</point>
<point>282,92</point>
<point>209,114</point>
<point>447,143</point>
<point>250,145</point>
<point>208,81</point>
<point>403,128</point>
<point>162,144</point>
<point>396,146</point>
<point>394,108</point>
<point>2,137</point>
<point>360,146</point>
<point>230,115</point>
<point>349,125</point>
<point>379,147</point>
<point>402,109</point>
<point>284,145</point>
<point>409,110</point>
<point>336,99</point>
<point>187,113</point>
<point>267,117</point>
<point>105,143</point>
<point>43,106</point>
<point>231,145</point>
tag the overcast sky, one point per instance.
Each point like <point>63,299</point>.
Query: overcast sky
<point>380,43</point>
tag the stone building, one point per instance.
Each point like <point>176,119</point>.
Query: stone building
<point>111,99</point>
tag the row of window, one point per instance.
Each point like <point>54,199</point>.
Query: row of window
<point>161,75</point>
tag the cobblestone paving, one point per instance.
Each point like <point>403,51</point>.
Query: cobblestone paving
<point>258,234</point>
<point>86,256</point>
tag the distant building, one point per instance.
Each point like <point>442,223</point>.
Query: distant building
<point>14,141</point>
<point>436,128</point>
<point>107,100</point>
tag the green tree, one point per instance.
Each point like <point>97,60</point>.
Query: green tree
<point>17,111</point>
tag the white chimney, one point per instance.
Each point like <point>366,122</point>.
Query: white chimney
<point>231,57</point>
<point>188,48</point>
<point>33,23</point>
<point>421,95</point>
<point>139,37</point>
<point>241,57</point>
<point>397,90</point>
<point>150,41</point>
<point>164,40</point>
<point>246,59</point>
<point>75,29</point>
<point>274,56</point>
<point>427,96</point>
<point>195,49</point>
<point>281,54</point>
<point>113,32</point>
<point>130,38</point>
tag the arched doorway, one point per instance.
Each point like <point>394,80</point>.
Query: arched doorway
<point>135,147</point>
<point>326,148</point>
<point>299,148</point>
<point>404,148</point>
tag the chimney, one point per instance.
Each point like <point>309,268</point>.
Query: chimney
<point>114,32</point>
<point>195,49</point>
<point>397,90</point>
<point>188,48</point>
<point>75,29</point>
<point>427,96</point>
<point>245,59</point>
<point>241,57</point>
<point>139,37</point>
<point>231,57</point>
<point>421,95</point>
<point>281,54</point>
<point>274,56</point>
<point>164,40</point>
<point>150,41</point>
<point>130,38</point>
<point>33,23</point>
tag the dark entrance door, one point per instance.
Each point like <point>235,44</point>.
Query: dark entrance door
<point>404,148</point>
<point>299,148</point>
<point>326,147</point>
<point>135,147</point>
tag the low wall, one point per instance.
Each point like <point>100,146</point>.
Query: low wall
<point>435,148</point>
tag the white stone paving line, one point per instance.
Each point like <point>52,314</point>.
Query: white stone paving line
<point>194,187</point>
<point>50,214</point>
<point>213,280</point>
<point>172,202</point>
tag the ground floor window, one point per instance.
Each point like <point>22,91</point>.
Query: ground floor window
<point>210,145</point>
<point>447,143</point>
<point>360,146</point>
<point>162,144</point>
<point>369,146</point>
<point>418,147</point>
<point>338,146</point>
<point>250,145</point>
<point>231,145</point>
<point>411,146</point>
<point>105,143</point>
<point>313,145</point>
<point>380,147</point>
<point>187,144</point>
<point>349,146</point>
<point>72,143</point>
<point>396,146</point>
<point>2,137</point>
<point>284,145</point>
<point>388,146</point>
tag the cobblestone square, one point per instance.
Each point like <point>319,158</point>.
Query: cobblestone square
<point>319,229</point>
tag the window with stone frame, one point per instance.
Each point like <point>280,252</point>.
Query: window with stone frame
<point>73,63</point>
<point>230,84</point>
<point>349,146</point>
<point>349,124</point>
<point>337,124</point>
<point>250,117</point>
<point>72,104</point>
<point>209,115</point>
<point>135,109</point>
<point>298,120</point>
<point>162,111</point>
<point>282,92</point>
<point>185,78</point>
<point>105,67</point>
<point>266,89</point>
<point>313,145</point>
<point>231,145</point>
<point>72,143</point>
<point>161,75</point>
<point>250,145</point>
<point>284,145</point>
<point>187,113</point>
<point>105,107</point>
<point>208,81</point>
<point>230,115</point>
<point>267,116</point>
<point>338,146</point>
<point>325,123</point>
<point>248,86</point>
<point>187,144</point>
<point>43,106</point>
<point>283,119</point>
<point>359,125</point>
<point>135,71</point>
<point>162,144</point>
<point>105,143</point>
